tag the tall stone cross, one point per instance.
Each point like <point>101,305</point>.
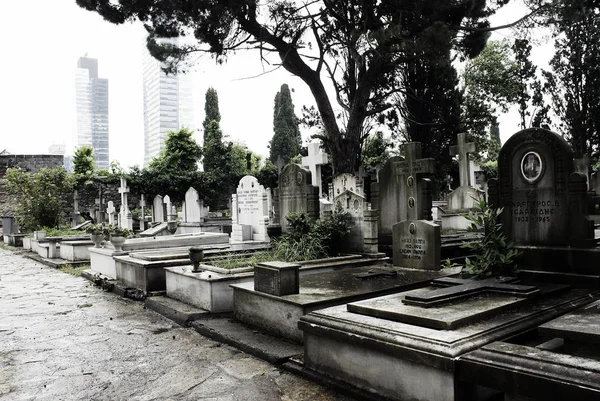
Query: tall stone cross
<point>462,150</point>
<point>315,159</point>
<point>143,216</point>
<point>413,168</point>
<point>125,214</point>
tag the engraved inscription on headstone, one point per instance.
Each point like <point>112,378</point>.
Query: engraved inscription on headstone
<point>417,244</point>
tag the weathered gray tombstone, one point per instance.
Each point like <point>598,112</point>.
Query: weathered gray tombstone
<point>125,218</point>
<point>250,203</point>
<point>193,207</point>
<point>167,207</point>
<point>349,196</point>
<point>157,209</point>
<point>143,212</point>
<point>544,201</point>
<point>315,159</point>
<point>463,199</point>
<point>76,215</point>
<point>389,195</point>
<point>296,194</point>
<point>416,242</point>
<point>110,211</point>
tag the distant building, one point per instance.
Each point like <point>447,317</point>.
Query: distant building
<point>92,109</point>
<point>168,105</point>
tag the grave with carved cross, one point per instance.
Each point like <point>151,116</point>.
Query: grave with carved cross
<point>416,242</point>
<point>462,150</point>
<point>315,159</point>
<point>110,210</point>
<point>462,200</point>
<point>76,215</point>
<point>125,217</point>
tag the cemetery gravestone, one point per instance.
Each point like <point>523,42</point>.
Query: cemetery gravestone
<point>193,207</point>
<point>125,219</point>
<point>462,197</point>
<point>167,207</point>
<point>348,196</point>
<point>143,212</point>
<point>296,194</point>
<point>250,201</point>
<point>110,210</point>
<point>416,243</point>
<point>157,209</point>
<point>76,215</point>
<point>315,159</point>
<point>544,201</point>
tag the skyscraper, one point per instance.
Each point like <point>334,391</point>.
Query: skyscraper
<point>168,105</point>
<point>92,109</point>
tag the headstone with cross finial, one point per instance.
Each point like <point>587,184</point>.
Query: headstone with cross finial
<point>110,211</point>
<point>416,243</point>
<point>125,218</point>
<point>463,198</point>
<point>315,159</point>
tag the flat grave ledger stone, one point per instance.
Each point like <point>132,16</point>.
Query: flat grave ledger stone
<point>544,202</point>
<point>297,194</point>
<point>157,209</point>
<point>417,244</point>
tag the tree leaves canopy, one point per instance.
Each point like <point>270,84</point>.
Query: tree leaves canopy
<point>359,45</point>
<point>287,139</point>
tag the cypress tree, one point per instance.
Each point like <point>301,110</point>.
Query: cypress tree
<point>286,134</point>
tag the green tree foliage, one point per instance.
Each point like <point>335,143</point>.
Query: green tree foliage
<point>84,164</point>
<point>573,82</point>
<point>287,139</point>
<point>174,171</point>
<point>500,77</point>
<point>211,107</point>
<point>180,155</point>
<point>361,45</point>
<point>376,151</point>
<point>38,195</point>
<point>211,111</point>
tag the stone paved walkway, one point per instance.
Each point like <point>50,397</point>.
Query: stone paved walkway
<point>63,339</point>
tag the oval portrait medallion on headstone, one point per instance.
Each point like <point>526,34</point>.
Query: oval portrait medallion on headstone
<point>410,181</point>
<point>531,166</point>
<point>411,202</point>
<point>299,178</point>
<point>412,228</point>
<point>356,204</point>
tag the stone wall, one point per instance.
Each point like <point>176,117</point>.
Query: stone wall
<point>30,163</point>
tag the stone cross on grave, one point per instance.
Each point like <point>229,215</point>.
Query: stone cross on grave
<point>413,167</point>
<point>125,214</point>
<point>315,159</point>
<point>457,288</point>
<point>143,216</point>
<point>280,164</point>
<point>462,150</point>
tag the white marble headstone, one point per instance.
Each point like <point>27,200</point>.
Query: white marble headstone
<point>157,208</point>
<point>251,202</point>
<point>193,206</point>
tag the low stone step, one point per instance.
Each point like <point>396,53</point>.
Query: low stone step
<point>181,313</point>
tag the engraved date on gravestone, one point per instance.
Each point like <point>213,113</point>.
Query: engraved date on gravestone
<point>536,211</point>
<point>413,248</point>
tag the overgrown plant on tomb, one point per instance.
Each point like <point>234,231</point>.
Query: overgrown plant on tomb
<point>494,254</point>
<point>311,239</point>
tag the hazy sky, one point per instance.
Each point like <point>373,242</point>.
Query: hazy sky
<point>42,41</point>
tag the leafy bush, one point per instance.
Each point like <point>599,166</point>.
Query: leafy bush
<point>38,195</point>
<point>494,255</point>
<point>95,229</point>
<point>307,239</point>
<point>116,231</point>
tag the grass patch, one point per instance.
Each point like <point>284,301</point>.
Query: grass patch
<point>7,247</point>
<point>74,270</point>
<point>62,232</point>
<point>234,261</point>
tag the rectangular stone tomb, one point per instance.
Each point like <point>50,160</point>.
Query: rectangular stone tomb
<point>412,352</point>
<point>279,314</point>
<point>75,250</point>
<point>562,366</point>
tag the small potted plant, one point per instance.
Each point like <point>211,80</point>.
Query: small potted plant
<point>96,232</point>
<point>118,236</point>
